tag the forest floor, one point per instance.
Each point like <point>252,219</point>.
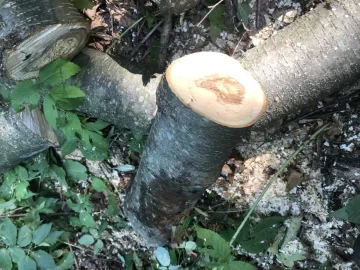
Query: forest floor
<point>322,178</point>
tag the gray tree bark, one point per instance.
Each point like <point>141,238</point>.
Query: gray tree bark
<point>35,32</point>
<point>317,55</point>
<point>115,94</point>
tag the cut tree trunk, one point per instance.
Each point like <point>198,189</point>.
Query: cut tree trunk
<point>22,135</point>
<point>313,57</point>
<point>35,32</point>
<point>115,94</point>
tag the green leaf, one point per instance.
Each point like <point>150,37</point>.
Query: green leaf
<point>64,92</point>
<point>52,238</point>
<point>24,236</point>
<point>67,261</point>
<point>87,220</point>
<point>69,123</point>
<point>98,246</point>
<point>86,240</point>
<point>17,254</point>
<point>216,18</point>
<point>58,71</point>
<point>163,256</point>
<point>244,11</point>
<point>8,232</point>
<point>98,185</point>
<point>4,93</point>
<point>352,208</point>
<point>50,110</point>
<point>289,259</point>
<point>44,260</point>
<point>41,233</point>
<point>94,146</point>
<point>22,173</point>
<point>69,146</point>
<point>94,233</point>
<point>7,206</point>
<point>237,265</point>
<point>75,170</point>
<point>58,174</point>
<point>293,229</point>
<point>27,264</point>
<point>97,126</point>
<point>222,248</point>
<point>25,93</point>
<point>69,103</point>
<point>21,191</point>
<point>5,261</point>
<point>341,214</point>
<point>82,4</point>
<point>113,208</point>
<point>150,20</point>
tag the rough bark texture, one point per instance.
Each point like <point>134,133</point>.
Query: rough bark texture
<point>22,135</point>
<point>35,32</point>
<point>115,94</point>
<point>183,156</point>
<point>313,57</point>
<point>177,6</point>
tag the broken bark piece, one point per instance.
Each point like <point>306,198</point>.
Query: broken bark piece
<point>22,135</point>
<point>185,149</point>
<point>35,32</point>
<point>115,94</point>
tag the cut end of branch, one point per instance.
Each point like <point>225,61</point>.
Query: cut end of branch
<point>216,86</point>
<point>55,41</point>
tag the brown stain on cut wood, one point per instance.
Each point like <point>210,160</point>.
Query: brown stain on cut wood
<point>226,89</point>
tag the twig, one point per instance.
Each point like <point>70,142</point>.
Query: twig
<point>165,35</point>
<point>273,179</point>
<point>123,34</point>
<point>24,215</point>
<point>147,37</point>
<point>207,14</point>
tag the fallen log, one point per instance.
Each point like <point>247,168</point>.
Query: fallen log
<point>22,135</point>
<point>35,32</point>
<point>115,94</point>
<point>317,55</point>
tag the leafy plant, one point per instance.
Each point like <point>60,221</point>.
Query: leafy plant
<point>59,99</point>
<point>350,212</point>
<point>243,12</point>
<point>25,247</point>
<point>217,19</point>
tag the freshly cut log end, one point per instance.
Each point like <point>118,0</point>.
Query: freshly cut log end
<point>55,41</point>
<point>217,87</point>
<point>22,136</point>
<point>35,32</point>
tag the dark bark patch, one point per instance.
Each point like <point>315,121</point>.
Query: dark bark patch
<point>226,89</point>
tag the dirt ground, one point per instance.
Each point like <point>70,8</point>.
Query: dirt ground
<point>322,178</point>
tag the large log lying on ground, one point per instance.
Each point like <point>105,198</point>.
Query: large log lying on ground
<point>315,56</point>
<point>35,32</point>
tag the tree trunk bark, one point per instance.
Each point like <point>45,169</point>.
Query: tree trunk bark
<point>22,135</point>
<point>35,32</point>
<point>317,55</point>
<point>115,94</point>
<point>310,59</point>
<point>179,162</point>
